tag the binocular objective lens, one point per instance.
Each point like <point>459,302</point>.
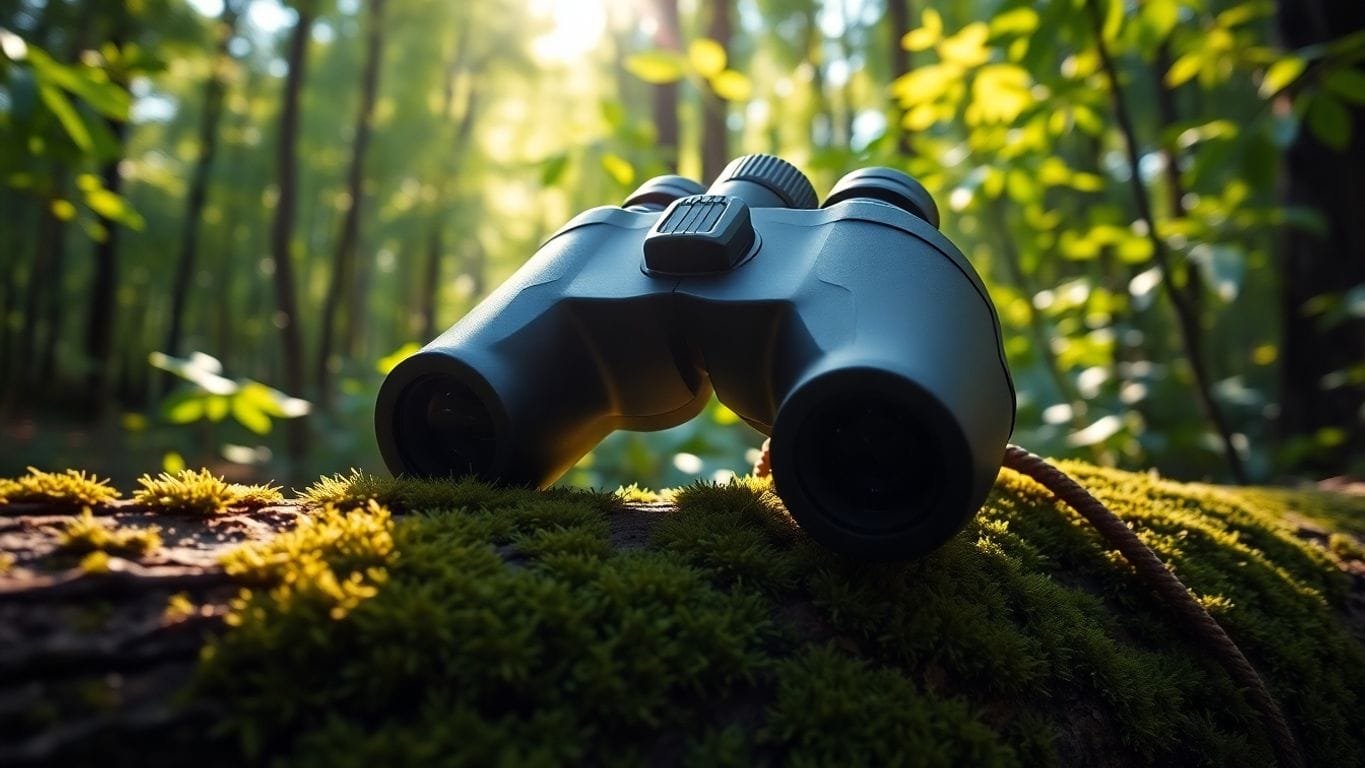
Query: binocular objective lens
<point>869,464</point>
<point>445,429</point>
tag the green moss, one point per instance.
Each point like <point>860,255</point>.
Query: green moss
<point>634,494</point>
<point>1345,547</point>
<point>85,534</point>
<point>200,492</point>
<point>69,488</point>
<point>504,626</point>
<point>830,709</point>
<point>420,625</point>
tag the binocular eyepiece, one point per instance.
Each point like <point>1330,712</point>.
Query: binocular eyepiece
<point>855,335</point>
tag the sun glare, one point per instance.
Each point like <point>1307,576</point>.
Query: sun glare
<point>576,27</point>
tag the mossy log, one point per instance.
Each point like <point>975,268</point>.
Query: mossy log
<point>374,621</point>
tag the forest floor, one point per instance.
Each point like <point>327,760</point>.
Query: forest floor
<point>1022,641</point>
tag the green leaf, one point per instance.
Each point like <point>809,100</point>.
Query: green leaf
<point>1113,20</point>
<point>1020,21</point>
<point>657,67</point>
<point>1134,250</point>
<point>390,361</point>
<point>1241,14</point>
<point>1161,16</point>
<point>618,168</point>
<point>112,207</point>
<point>707,56</point>
<point>216,407</point>
<point>929,32</point>
<point>1184,68</point>
<point>172,462</point>
<point>184,409</point>
<point>248,414</point>
<point>1281,74</point>
<point>92,85</point>
<point>1349,84</point>
<point>1329,121</point>
<point>551,171</point>
<point>66,114</point>
<point>732,86</point>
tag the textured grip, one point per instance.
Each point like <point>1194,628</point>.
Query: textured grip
<point>774,173</point>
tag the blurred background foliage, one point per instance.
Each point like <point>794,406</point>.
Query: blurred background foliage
<point>221,221</point>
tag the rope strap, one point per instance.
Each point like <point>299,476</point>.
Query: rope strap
<point>1149,567</point>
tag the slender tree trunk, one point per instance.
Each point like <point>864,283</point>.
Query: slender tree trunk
<point>281,230</point>
<point>35,291</point>
<point>715,134</point>
<point>1329,181</point>
<point>665,98</point>
<point>464,130</point>
<point>53,303</point>
<point>1187,322</point>
<point>431,279</point>
<point>102,315</point>
<point>898,12</point>
<point>1168,116</point>
<point>10,253</point>
<point>214,91</point>
<point>821,123</point>
<point>344,259</point>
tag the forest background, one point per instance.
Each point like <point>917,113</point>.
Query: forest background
<point>221,221</point>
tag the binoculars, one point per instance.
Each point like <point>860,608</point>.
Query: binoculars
<point>853,334</point>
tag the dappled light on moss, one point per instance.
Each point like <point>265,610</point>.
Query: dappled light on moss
<point>504,625</point>
<point>71,487</point>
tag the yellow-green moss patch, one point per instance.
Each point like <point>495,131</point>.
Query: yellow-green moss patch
<point>71,487</point>
<point>200,492</point>
<point>87,533</point>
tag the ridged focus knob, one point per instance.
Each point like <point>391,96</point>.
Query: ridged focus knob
<point>772,173</point>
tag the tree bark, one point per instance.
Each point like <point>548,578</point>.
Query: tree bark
<point>464,130</point>
<point>898,13</point>
<point>715,134</point>
<point>214,91</point>
<point>665,96</point>
<point>54,305</point>
<point>1329,181</point>
<point>100,320</point>
<point>340,282</point>
<point>282,227</point>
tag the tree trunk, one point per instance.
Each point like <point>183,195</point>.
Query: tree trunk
<point>1328,181</point>
<point>281,230</point>
<point>715,134</point>
<point>340,281</point>
<point>821,123</point>
<point>35,290</point>
<point>100,320</point>
<point>665,103</point>
<point>55,305</point>
<point>898,13</point>
<point>464,130</point>
<point>214,91</point>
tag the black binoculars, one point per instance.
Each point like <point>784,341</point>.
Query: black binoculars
<point>854,334</point>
